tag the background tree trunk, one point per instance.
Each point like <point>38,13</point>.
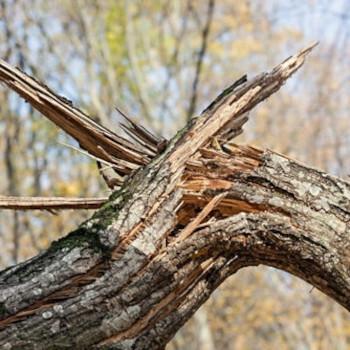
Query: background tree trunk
<point>134,273</point>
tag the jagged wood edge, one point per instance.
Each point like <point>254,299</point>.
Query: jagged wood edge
<point>97,140</point>
<point>223,118</point>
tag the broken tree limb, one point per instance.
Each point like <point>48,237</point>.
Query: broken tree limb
<point>133,274</point>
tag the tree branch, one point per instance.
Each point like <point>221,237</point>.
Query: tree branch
<point>200,58</point>
<point>130,276</point>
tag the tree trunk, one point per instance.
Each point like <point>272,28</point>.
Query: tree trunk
<point>133,274</point>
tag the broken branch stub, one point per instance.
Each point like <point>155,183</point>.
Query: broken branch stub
<point>225,113</point>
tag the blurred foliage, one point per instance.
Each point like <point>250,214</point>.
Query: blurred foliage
<point>142,56</point>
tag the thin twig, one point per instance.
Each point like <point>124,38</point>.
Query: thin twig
<point>85,153</point>
<point>50,203</point>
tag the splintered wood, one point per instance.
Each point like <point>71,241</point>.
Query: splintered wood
<point>221,121</point>
<point>201,216</point>
<point>123,155</point>
<point>207,179</point>
<point>227,113</point>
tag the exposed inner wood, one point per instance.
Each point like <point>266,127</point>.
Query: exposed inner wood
<point>208,208</point>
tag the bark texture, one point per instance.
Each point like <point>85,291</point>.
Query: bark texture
<point>133,274</point>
